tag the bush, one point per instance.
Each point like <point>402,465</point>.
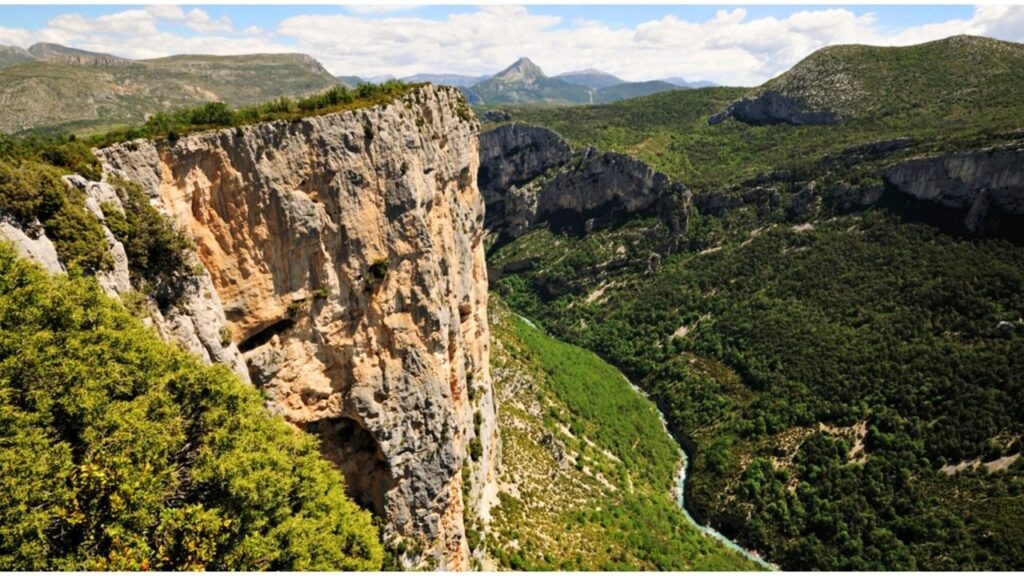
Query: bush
<point>156,249</point>
<point>33,195</point>
<point>122,452</point>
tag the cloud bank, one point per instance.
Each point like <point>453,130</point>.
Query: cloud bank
<point>729,48</point>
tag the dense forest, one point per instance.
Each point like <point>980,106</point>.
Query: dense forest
<point>849,377</point>
<point>826,374</point>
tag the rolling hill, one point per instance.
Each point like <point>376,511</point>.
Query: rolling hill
<point>955,77</point>
<point>61,88</point>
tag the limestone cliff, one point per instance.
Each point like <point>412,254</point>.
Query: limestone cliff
<point>195,321</point>
<point>986,187</point>
<point>530,174</point>
<point>772,107</point>
<point>347,251</point>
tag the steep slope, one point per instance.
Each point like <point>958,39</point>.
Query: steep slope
<point>122,452</point>
<point>347,249</point>
<point>587,469</point>
<point>838,340</point>
<point>941,79</point>
<point>530,175</point>
<point>74,90</point>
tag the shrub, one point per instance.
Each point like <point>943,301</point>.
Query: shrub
<point>122,452</point>
<point>33,195</point>
<point>156,249</point>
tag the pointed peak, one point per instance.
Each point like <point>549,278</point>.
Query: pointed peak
<point>523,70</point>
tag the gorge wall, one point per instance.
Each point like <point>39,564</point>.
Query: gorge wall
<point>530,174</point>
<point>347,253</point>
<point>984,188</point>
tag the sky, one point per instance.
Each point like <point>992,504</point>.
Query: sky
<point>728,44</point>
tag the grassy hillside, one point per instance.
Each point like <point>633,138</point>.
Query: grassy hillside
<point>950,77</point>
<point>59,96</point>
<point>947,95</point>
<point>587,469</point>
<point>851,383</point>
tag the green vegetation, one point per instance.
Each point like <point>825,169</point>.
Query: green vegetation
<point>33,195</point>
<point>852,384</point>
<point>870,321</point>
<point>592,465</point>
<point>212,115</point>
<point>156,250</point>
<point>910,91</point>
<point>122,452</point>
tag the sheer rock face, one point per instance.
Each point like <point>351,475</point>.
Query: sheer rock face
<point>530,174</point>
<point>772,107</point>
<point>987,185</point>
<point>347,251</point>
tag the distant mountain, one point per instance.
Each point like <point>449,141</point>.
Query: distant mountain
<point>457,80</point>
<point>632,90</point>
<point>58,54</point>
<point>590,78</point>
<point>684,83</point>
<point>472,97</point>
<point>350,81</point>
<point>11,55</point>
<point>525,82</point>
<point>70,89</point>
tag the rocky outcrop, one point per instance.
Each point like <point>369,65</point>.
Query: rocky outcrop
<point>195,321</point>
<point>531,175</point>
<point>510,157</point>
<point>38,248</point>
<point>347,250</point>
<point>986,187</point>
<point>772,107</point>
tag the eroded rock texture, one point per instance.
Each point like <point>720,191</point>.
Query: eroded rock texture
<point>986,186</point>
<point>772,107</point>
<point>347,251</point>
<point>530,175</point>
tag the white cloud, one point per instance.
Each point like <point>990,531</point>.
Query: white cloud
<point>729,48</point>
<point>200,21</point>
<point>166,11</point>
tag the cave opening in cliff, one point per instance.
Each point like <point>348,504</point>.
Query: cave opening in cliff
<point>354,451</point>
<point>264,335</point>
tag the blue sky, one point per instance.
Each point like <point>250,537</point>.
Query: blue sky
<point>729,44</point>
<point>36,17</point>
